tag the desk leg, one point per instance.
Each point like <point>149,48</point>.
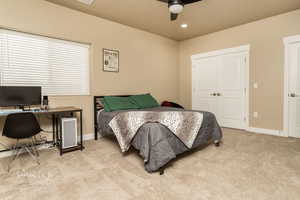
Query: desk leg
<point>56,130</point>
<point>54,139</point>
<point>81,137</point>
<point>60,134</point>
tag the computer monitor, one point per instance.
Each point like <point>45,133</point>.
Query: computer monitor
<point>20,96</point>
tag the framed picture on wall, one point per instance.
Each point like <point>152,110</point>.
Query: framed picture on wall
<point>110,60</point>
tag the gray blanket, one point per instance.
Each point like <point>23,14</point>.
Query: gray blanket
<point>184,124</point>
<point>156,143</point>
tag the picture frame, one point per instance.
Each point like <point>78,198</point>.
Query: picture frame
<point>110,60</point>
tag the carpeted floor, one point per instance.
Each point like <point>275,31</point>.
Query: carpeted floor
<point>245,166</point>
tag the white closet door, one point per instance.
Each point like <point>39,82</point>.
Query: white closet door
<point>294,90</point>
<point>231,91</point>
<point>218,83</point>
<point>204,76</point>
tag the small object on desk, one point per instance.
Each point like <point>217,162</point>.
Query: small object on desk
<point>45,105</point>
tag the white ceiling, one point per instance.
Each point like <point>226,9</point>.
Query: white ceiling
<point>202,17</point>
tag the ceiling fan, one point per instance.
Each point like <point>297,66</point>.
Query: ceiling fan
<point>176,6</point>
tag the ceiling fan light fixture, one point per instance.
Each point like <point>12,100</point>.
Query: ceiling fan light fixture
<point>184,25</point>
<point>175,7</point>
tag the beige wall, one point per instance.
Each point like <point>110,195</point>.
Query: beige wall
<point>148,62</point>
<point>151,63</point>
<point>266,63</point>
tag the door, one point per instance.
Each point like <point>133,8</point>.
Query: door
<point>218,86</point>
<point>204,85</point>
<point>231,91</point>
<point>294,90</point>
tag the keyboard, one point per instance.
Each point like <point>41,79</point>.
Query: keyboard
<point>10,111</point>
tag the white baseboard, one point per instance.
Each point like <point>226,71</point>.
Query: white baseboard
<point>86,137</point>
<point>89,136</point>
<point>266,131</point>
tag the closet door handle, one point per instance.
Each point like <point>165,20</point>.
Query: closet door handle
<point>293,95</point>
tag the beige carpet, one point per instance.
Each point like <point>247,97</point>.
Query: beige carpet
<point>246,166</point>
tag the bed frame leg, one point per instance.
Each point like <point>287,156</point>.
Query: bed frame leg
<point>161,171</point>
<point>217,143</point>
<point>96,132</point>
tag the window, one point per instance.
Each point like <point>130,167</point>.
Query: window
<point>60,67</point>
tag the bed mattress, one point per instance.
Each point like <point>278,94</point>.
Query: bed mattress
<point>156,144</point>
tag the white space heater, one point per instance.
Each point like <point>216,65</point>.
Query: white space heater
<point>69,132</point>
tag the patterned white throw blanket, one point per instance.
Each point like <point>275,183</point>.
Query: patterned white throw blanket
<point>184,124</point>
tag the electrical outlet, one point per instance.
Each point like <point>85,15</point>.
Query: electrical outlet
<point>255,114</point>
<point>255,85</point>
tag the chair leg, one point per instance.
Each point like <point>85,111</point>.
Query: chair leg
<point>16,152</point>
<point>34,140</point>
<point>31,149</point>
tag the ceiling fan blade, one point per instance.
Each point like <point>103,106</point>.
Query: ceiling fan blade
<point>189,1</point>
<point>165,1</point>
<point>173,16</point>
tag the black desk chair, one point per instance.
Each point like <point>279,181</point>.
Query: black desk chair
<point>22,126</point>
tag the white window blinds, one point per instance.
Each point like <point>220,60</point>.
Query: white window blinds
<point>60,67</point>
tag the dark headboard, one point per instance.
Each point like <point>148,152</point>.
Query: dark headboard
<point>96,109</point>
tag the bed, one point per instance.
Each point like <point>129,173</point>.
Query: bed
<point>157,145</point>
